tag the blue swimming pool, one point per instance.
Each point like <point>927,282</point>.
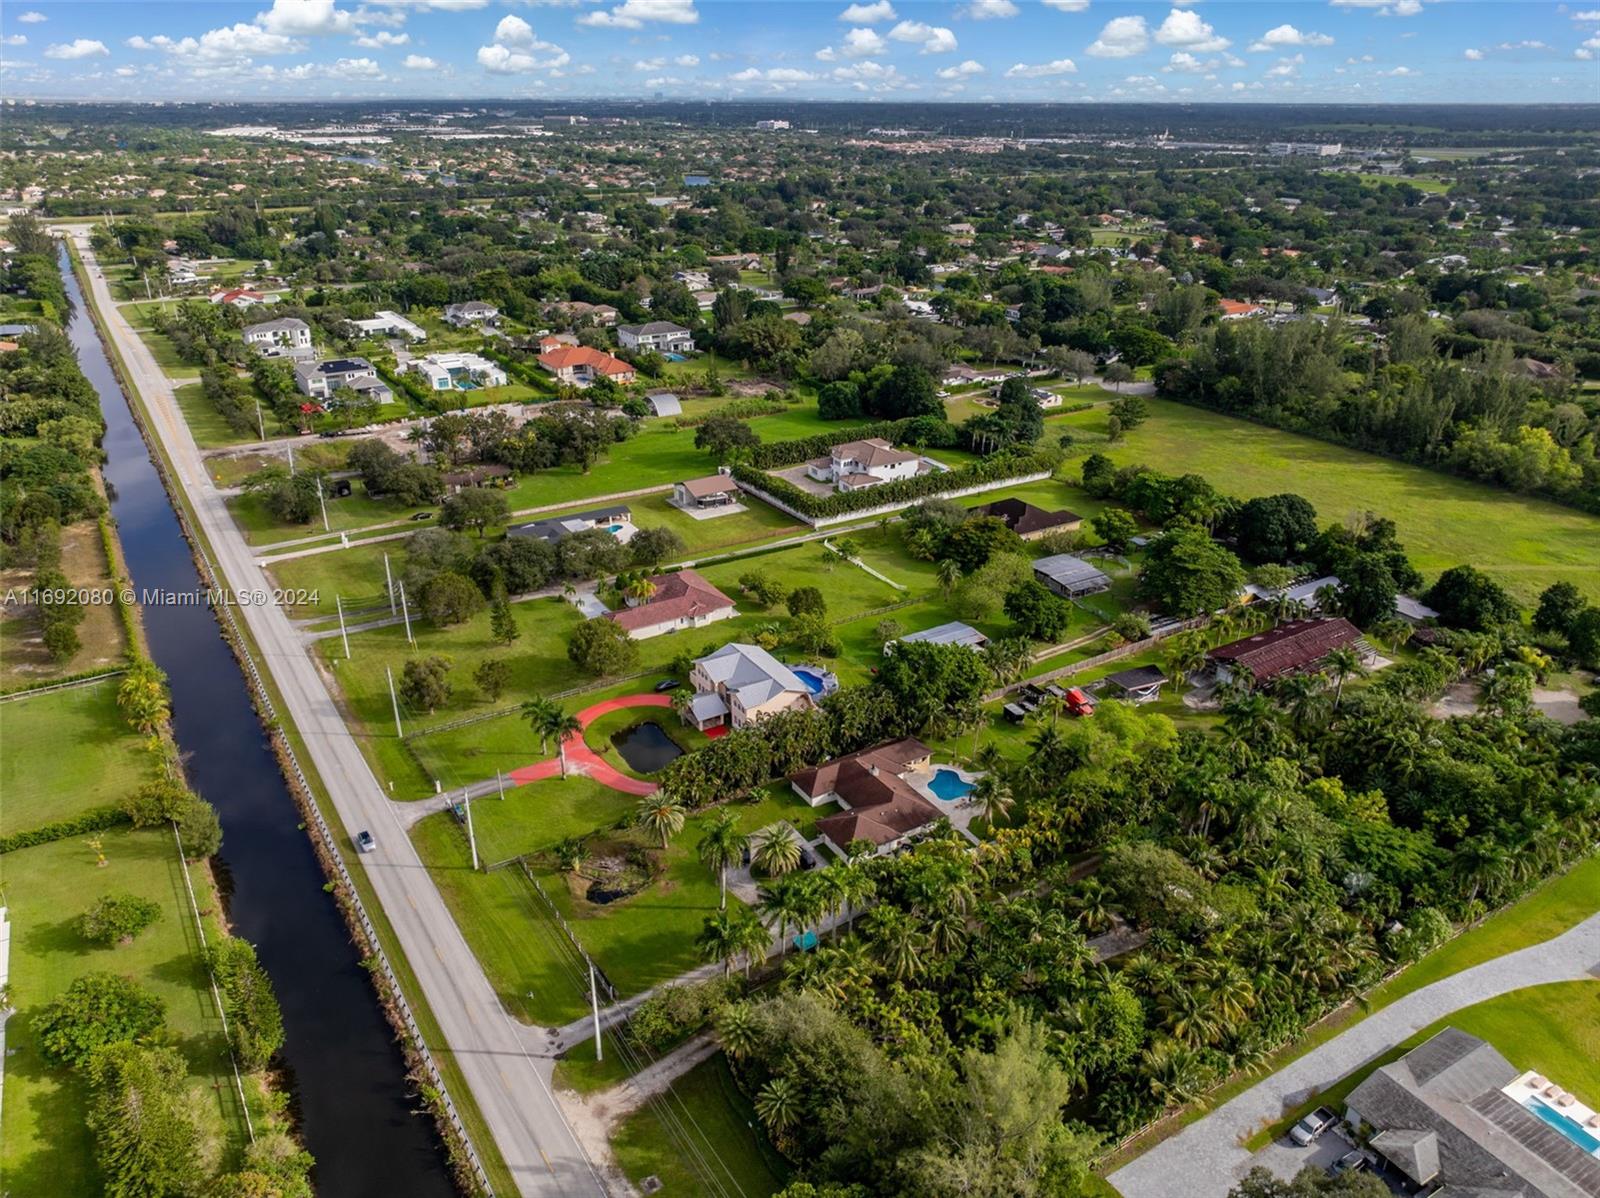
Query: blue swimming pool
<point>675,357</point>
<point>948,785</point>
<point>1568,1127</point>
<point>613,529</point>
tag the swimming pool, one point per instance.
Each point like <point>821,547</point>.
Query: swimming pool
<point>675,357</point>
<point>816,681</point>
<point>949,785</point>
<point>613,529</point>
<point>1568,1127</point>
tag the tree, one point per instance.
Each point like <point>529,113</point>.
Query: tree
<point>1583,637</point>
<point>807,601</point>
<point>726,936</point>
<point>474,508</point>
<point>929,682</point>
<point>775,851</point>
<point>907,391</point>
<point>1038,613</point>
<point>602,647</point>
<point>502,623</point>
<point>1118,373</point>
<point>450,598</point>
<point>1559,605</point>
<point>425,682</point>
<point>762,588</point>
<point>491,676</point>
<point>255,1021</point>
<point>778,1104</point>
<point>1310,1183</point>
<point>652,546</point>
<point>142,696</point>
<point>1342,663</point>
<point>541,714</point>
<point>839,400</point>
<point>722,846</point>
<point>1466,597</point>
<point>1186,573</point>
<point>1275,528</point>
<point>117,918</point>
<point>199,829</point>
<point>1132,410</point>
<point>95,1010</point>
<point>662,814</point>
<point>726,438</point>
<point>1099,474</point>
<point>145,1140</point>
<point>1116,528</point>
<point>992,796</point>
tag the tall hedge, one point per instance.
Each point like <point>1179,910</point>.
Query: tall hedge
<point>906,490</point>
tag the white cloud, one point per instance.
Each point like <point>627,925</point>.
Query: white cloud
<point>1182,60</point>
<point>1582,53</point>
<point>1592,14</point>
<point>650,64</point>
<point>686,60</point>
<point>1123,37</point>
<point>772,75</point>
<point>382,40</point>
<point>419,62</point>
<point>635,14</point>
<point>866,69</point>
<point>1473,55</point>
<point>1041,70</point>
<point>1399,72</point>
<point>1286,68</point>
<point>15,39</point>
<point>1185,29</point>
<point>859,42</point>
<point>663,81</point>
<point>1067,5</point>
<point>361,68</point>
<point>1524,45</point>
<point>990,10</point>
<point>437,5</point>
<point>82,47</point>
<point>234,44</point>
<point>126,72</point>
<point>31,18</point>
<point>962,70</point>
<point>1386,8</point>
<point>1288,35</point>
<point>300,18</point>
<point>934,39</point>
<point>868,14</point>
<point>1350,62</point>
<point>516,50</point>
<point>1406,8</point>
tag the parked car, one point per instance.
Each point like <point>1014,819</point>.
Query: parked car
<point>667,684</point>
<point>364,841</point>
<point>422,515</point>
<point>1312,1126</point>
<point>1351,1162</point>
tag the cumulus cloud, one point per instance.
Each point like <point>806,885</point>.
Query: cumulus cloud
<point>516,50</point>
<point>1399,72</point>
<point>300,18</point>
<point>1182,60</point>
<point>1523,45</point>
<point>361,68</point>
<point>1041,70</point>
<point>15,39</point>
<point>1122,37</point>
<point>772,75</point>
<point>1286,68</point>
<point>650,64</point>
<point>663,81</point>
<point>1067,5</point>
<point>1185,29</point>
<point>866,69</point>
<point>934,39</point>
<point>868,14</point>
<point>1386,8</point>
<point>635,14</point>
<point>990,10</point>
<point>419,62</point>
<point>382,40</point>
<point>686,60</point>
<point>1288,35</point>
<point>81,47</point>
<point>1472,55</point>
<point>1584,53</point>
<point>126,72</point>
<point>234,44</point>
<point>31,18</point>
<point>962,70</point>
<point>436,5</point>
<point>859,42</point>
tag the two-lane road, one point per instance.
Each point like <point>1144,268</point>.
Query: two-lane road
<point>511,1088</point>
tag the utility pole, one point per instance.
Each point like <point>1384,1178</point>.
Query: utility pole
<point>594,1005</point>
<point>260,425</point>
<point>324,504</point>
<point>500,782</point>
<point>291,458</point>
<point>394,703</point>
<point>466,801</point>
<point>405,611</point>
<point>338,601</point>
<point>388,584</point>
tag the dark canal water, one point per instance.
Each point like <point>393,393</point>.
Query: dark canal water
<point>348,1076</point>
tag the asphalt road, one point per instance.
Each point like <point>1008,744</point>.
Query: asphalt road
<point>1205,1159</point>
<point>511,1087</point>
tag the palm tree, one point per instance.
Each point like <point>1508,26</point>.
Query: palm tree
<point>1342,663</point>
<point>992,796</point>
<point>898,941</point>
<point>720,847</point>
<point>949,574</point>
<point>662,814</point>
<point>638,588</point>
<point>719,940</point>
<point>776,851</point>
<point>1185,654</point>
<point>754,941</point>
<point>779,906</point>
<point>778,1104</point>
<point>1298,694</point>
<point>736,1028</point>
<point>1093,904</point>
<point>539,712</point>
<point>561,726</point>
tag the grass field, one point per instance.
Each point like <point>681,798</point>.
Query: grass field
<point>723,1137</point>
<point>210,430</point>
<point>101,640</point>
<point>93,761</point>
<point>45,1148</point>
<point>1443,521</point>
<point>1552,1029</point>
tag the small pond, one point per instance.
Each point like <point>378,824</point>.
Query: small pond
<point>646,747</point>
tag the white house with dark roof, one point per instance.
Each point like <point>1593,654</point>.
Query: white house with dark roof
<point>662,336</point>
<point>472,312</point>
<point>284,335</point>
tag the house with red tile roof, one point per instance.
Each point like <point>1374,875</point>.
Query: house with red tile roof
<point>681,600</point>
<point>1293,647</point>
<point>881,806</point>
<point>1238,309</point>
<point>581,365</point>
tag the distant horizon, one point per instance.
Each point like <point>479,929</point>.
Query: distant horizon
<point>752,101</point>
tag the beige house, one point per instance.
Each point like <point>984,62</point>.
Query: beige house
<point>739,684</point>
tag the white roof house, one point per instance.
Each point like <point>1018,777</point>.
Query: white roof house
<point>390,324</point>
<point>953,633</point>
<point>471,312</point>
<point>447,372</point>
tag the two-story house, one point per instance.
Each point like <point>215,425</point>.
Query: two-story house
<point>739,684</point>
<point>320,380</point>
<point>662,336</point>
<point>857,464</point>
<point>278,336</point>
<point>472,312</point>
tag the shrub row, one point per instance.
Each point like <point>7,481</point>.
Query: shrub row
<point>98,820</point>
<point>741,409</point>
<point>906,490</point>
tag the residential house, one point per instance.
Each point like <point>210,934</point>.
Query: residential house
<point>457,371</point>
<point>1141,684</point>
<point>1293,647</point>
<point>1070,577</point>
<point>664,403</point>
<point>960,375</point>
<point>1413,611</point>
<point>277,336</point>
<point>613,519</point>
<point>320,380</point>
<point>390,324</point>
<point>739,684</point>
<point>857,464</point>
<point>1455,1116</point>
<point>881,806</point>
<point>681,600</point>
<point>578,312</point>
<point>580,365</point>
<point>712,491</point>
<point>485,474</point>
<point>1027,521</point>
<point>1238,309</point>
<point>953,633</point>
<point>241,297</point>
<point>662,336</point>
<point>473,312</point>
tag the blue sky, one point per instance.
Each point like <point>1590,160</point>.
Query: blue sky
<point>1058,50</point>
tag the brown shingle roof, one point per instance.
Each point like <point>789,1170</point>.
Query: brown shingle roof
<point>1022,517</point>
<point>711,484</point>
<point>678,596</point>
<point>1288,647</point>
<point>893,757</point>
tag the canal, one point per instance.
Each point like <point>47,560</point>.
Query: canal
<point>346,1072</point>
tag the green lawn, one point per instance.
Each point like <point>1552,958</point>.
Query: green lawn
<point>1443,521</point>
<point>1552,1029</point>
<point>45,1147</point>
<point>702,1124</point>
<point>65,753</point>
<point>210,430</point>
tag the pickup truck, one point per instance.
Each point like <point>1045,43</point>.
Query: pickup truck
<point>1312,1126</point>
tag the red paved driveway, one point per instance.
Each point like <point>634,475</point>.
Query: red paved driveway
<point>581,759</point>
